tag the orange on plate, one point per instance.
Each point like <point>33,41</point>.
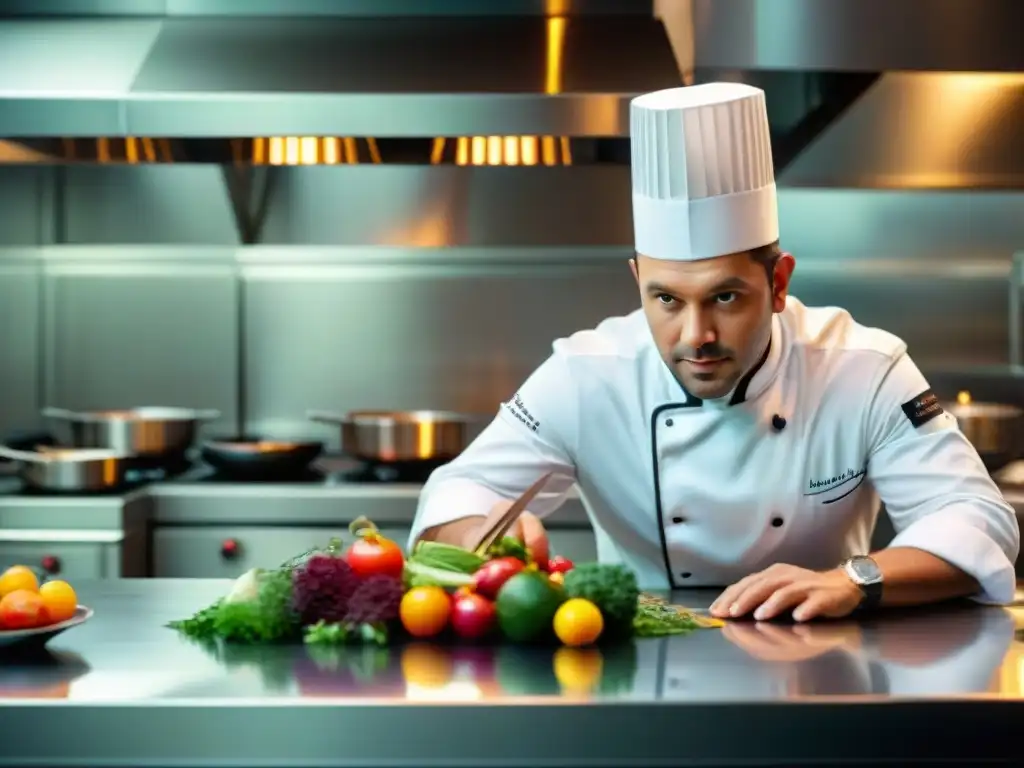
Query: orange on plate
<point>60,600</point>
<point>22,609</point>
<point>18,577</point>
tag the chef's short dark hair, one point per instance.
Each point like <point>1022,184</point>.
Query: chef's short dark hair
<point>767,256</point>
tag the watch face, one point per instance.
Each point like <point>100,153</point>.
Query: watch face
<point>865,570</point>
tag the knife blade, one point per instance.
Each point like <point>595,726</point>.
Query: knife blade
<point>498,522</point>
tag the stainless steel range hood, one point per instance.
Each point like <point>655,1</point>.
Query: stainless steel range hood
<point>878,94</point>
<point>400,76</point>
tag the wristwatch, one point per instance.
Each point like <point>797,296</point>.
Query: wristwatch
<point>865,573</point>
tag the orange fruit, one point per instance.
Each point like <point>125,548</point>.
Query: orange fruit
<point>578,622</point>
<point>22,609</point>
<point>60,600</point>
<point>18,577</point>
<point>424,611</point>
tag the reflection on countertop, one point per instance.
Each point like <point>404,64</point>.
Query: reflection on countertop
<point>137,693</point>
<point>131,656</point>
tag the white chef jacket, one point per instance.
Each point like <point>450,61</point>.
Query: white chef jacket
<point>788,468</point>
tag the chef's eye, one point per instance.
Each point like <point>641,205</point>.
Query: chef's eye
<point>664,298</point>
<point>726,298</point>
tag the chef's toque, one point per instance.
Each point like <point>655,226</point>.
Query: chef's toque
<point>703,178</point>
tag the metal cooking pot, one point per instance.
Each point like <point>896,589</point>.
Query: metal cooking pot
<point>71,469</point>
<point>150,431</point>
<point>399,436</point>
<point>994,429</point>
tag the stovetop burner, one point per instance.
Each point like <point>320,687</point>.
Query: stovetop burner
<point>399,472</point>
<point>309,476</point>
<point>333,470</point>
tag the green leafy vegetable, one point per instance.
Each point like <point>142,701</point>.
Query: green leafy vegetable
<point>258,609</point>
<point>654,620</point>
<point>446,557</point>
<point>612,588</point>
<point>419,575</point>
<point>201,626</point>
<point>508,547</point>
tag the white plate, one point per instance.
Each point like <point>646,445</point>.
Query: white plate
<point>40,636</point>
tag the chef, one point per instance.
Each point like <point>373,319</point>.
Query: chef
<point>725,434</point>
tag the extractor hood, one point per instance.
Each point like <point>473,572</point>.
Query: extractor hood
<point>399,76</point>
<point>914,94</point>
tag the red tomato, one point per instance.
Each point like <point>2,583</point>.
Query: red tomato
<point>472,616</point>
<point>373,555</point>
<point>492,575</point>
<point>559,564</point>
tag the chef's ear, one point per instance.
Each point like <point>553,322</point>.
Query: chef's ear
<point>781,275</point>
<point>635,269</point>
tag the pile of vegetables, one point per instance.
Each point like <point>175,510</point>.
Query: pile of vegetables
<point>370,592</point>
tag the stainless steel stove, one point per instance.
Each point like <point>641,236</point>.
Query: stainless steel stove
<point>199,523</point>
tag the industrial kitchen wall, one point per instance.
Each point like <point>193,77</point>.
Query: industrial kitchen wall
<point>414,287</point>
<point>419,271</point>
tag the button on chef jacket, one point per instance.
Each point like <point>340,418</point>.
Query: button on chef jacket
<point>690,492</point>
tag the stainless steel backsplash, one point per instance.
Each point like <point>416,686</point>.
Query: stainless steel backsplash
<point>410,287</point>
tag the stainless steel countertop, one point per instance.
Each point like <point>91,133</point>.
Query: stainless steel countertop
<point>122,688</point>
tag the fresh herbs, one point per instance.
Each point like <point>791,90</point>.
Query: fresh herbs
<point>656,618</point>
<point>202,625</point>
<point>258,609</point>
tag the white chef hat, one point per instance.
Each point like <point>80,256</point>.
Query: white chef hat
<point>703,178</point>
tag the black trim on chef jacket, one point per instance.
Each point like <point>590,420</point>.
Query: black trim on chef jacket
<point>739,396</point>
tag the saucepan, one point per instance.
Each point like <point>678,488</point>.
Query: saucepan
<point>249,457</point>
<point>400,436</point>
<point>994,429</point>
<point>71,469</point>
<point>149,431</point>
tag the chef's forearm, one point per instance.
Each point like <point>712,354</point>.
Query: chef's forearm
<point>912,576</point>
<point>457,532</point>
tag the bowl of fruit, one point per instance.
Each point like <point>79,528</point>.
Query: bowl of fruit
<point>33,613</point>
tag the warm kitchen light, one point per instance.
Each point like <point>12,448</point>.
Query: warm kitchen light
<point>522,150</point>
<point>311,150</point>
<point>425,449</point>
<point>963,398</point>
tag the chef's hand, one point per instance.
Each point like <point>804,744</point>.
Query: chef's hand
<point>527,529</point>
<point>784,588</point>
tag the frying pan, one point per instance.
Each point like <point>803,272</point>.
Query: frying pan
<point>251,457</point>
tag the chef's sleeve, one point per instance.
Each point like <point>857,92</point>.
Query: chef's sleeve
<point>534,432</point>
<point>935,488</point>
